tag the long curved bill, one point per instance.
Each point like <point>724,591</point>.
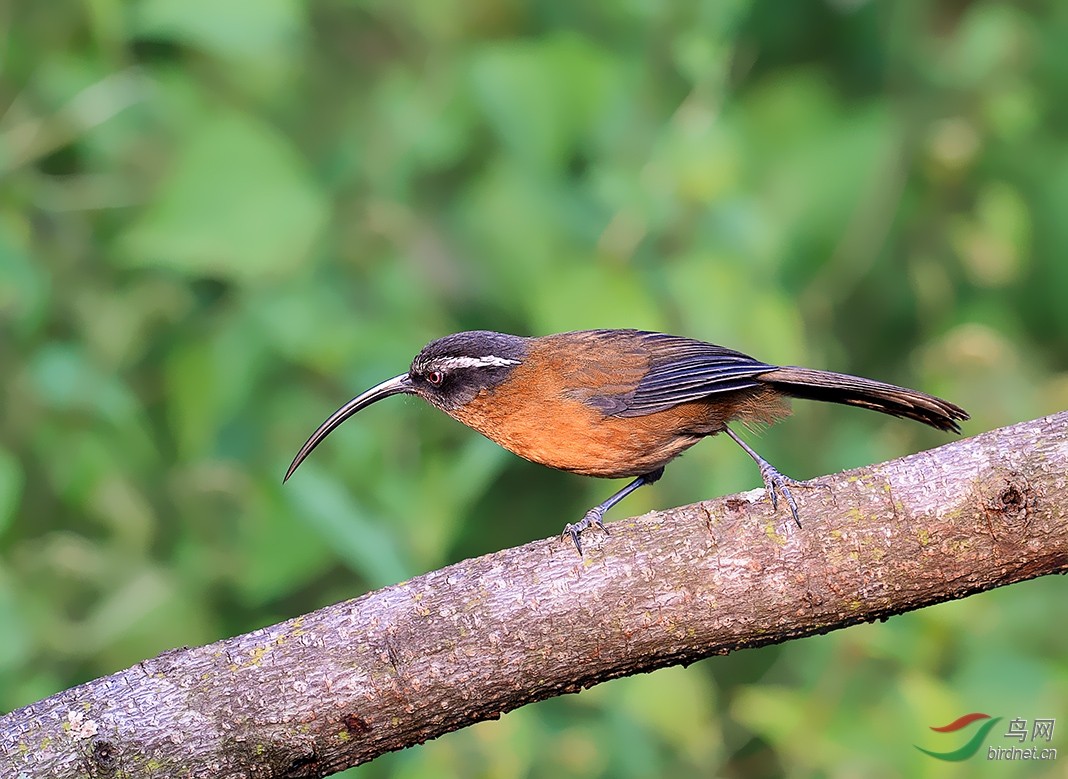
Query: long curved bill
<point>398,385</point>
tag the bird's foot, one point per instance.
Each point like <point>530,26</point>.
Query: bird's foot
<point>594,516</point>
<point>775,483</point>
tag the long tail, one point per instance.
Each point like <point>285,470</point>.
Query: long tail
<point>867,393</point>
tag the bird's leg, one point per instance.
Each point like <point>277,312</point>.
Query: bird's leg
<point>595,516</point>
<point>773,480</point>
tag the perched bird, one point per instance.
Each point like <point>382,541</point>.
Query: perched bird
<point>618,403</point>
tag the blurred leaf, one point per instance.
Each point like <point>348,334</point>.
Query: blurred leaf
<point>673,707</point>
<point>358,541</point>
<point>593,298</point>
<point>211,381</point>
<point>12,481</point>
<point>990,36</point>
<point>66,380</point>
<point>16,639</point>
<point>278,553</point>
<point>994,246</point>
<point>24,287</point>
<point>542,97</point>
<point>448,489</point>
<point>234,28</point>
<point>237,203</point>
<point>720,305</point>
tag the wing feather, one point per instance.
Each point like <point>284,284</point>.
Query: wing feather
<point>681,370</point>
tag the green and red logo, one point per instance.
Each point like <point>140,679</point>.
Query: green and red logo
<point>972,745</point>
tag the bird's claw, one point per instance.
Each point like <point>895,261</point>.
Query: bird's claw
<point>594,516</point>
<point>775,483</point>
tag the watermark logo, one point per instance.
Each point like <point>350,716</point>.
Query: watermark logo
<point>1041,730</point>
<point>972,745</point>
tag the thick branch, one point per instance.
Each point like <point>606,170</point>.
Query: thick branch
<point>337,687</point>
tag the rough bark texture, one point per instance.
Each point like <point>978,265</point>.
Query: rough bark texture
<point>328,690</point>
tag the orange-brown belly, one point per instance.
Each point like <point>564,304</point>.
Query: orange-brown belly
<point>572,436</point>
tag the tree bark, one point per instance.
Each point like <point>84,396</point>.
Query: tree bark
<point>337,687</point>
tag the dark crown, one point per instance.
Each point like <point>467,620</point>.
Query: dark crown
<point>451,371</point>
<point>472,346</point>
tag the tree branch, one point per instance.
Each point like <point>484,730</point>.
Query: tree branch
<point>331,689</point>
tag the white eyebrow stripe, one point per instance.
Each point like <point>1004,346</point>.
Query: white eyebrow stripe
<point>489,361</point>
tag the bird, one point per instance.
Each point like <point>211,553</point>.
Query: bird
<point>620,403</point>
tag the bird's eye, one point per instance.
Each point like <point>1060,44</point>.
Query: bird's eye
<point>435,377</point>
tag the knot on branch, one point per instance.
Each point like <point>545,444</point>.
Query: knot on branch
<point>104,758</point>
<point>1008,501</point>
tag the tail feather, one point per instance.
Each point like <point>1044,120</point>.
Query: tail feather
<point>867,393</point>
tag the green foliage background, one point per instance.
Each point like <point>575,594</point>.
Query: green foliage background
<point>220,220</point>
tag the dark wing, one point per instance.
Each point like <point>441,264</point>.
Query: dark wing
<point>681,370</point>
